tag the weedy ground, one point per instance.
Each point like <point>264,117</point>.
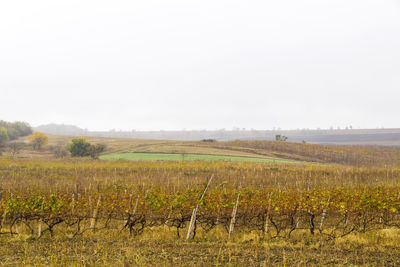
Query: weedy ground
<point>160,247</point>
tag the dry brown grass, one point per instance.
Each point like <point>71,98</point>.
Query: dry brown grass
<point>159,247</point>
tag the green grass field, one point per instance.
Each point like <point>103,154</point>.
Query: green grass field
<point>190,157</point>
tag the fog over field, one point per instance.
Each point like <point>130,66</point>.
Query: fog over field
<point>200,133</point>
<point>151,65</point>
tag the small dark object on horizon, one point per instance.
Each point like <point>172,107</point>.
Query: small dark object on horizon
<point>209,140</point>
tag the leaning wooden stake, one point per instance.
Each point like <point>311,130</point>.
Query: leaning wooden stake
<point>95,212</point>
<point>193,218</point>
<point>233,219</point>
<point>324,214</point>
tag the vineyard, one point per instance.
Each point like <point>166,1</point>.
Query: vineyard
<point>273,199</point>
<point>348,155</point>
<point>195,200</point>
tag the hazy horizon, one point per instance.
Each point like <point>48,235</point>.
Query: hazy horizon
<point>157,65</point>
<point>347,127</point>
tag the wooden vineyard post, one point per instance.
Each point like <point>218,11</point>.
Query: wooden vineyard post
<point>233,219</point>
<point>3,219</point>
<point>94,217</point>
<point>40,222</point>
<point>76,191</point>
<point>136,204</point>
<point>192,222</point>
<point>298,212</point>
<point>193,218</point>
<point>324,215</point>
<point>72,204</point>
<point>266,226</point>
<point>129,209</point>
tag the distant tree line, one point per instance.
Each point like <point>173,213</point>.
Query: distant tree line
<point>11,131</point>
<point>14,130</point>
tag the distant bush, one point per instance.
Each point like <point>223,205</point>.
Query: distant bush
<point>96,149</point>
<point>279,137</point>
<point>15,147</point>
<point>60,152</point>
<point>79,147</point>
<point>209,140</point>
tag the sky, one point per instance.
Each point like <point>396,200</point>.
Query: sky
<point>206,64</point>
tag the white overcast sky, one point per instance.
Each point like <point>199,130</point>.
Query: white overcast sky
<point>206,64</point>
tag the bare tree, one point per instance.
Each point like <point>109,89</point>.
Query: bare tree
<point>15,148</point>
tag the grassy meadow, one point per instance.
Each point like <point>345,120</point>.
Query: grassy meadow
<point>183,157</point>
